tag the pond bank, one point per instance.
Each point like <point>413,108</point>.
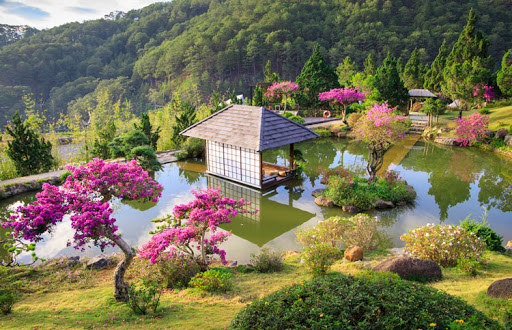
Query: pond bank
<point>16,186</point>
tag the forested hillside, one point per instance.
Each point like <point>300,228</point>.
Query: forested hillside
<point>193,47</point>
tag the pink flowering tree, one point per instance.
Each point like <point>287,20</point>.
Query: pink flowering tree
<point>192,229</point>
<point>342,97</point>
<point>284,90</point>
<point>380,127</point>
<point>484,92</point>
<point>471,129</point>
<point>84,197</point>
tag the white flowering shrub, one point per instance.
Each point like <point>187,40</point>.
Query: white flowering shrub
<point>444,244</point>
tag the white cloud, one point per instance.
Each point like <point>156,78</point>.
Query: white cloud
<point>61,11</point>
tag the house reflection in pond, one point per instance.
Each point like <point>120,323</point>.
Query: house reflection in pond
<point>272,219</point>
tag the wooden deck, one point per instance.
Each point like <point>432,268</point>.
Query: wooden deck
<point>274,174</point>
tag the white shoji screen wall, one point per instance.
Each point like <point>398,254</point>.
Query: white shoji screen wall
<point>239,164</point>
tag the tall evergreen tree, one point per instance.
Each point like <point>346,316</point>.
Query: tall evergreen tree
<point>389,84</point>
<point>316,77</point>
<point>414,71</point>
<point>504,77</point>
<point>434,76</point>
<point>30,153</point>
<point>145,127</point>
<point>345,71</point>
<point>467,65</point>
<point>270,76</point>
<point>257,99</point>
<point>106,133</point>
<point>185,119</point>
<point>369,66</point>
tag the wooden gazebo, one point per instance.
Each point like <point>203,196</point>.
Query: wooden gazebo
<point>237,135</point>
<point>419,93</point>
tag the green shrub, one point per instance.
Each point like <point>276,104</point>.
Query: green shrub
<point>8,298</point>
<point>192,148</point>
<point>497,143</point>
<point>329,231</point>
<point>212,281</point>
<point>297,119</point>
<point>493,241</point>
<point>468,265</point>
<point>340,302</point>
<point>177,270</point>
<point>267,261</point>
<point>484,111</point>
<point>322,132</point>
<point>362,232</point>
<point>145,297</point>
<point>320,257</point>
<point>343,191</point>
<point>444,244</point>
<point>510,129</point>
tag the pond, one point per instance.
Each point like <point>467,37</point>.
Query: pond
<point>451,183</point>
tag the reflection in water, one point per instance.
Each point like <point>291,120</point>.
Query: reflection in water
<point>271,220</point>
<point>451,183</point>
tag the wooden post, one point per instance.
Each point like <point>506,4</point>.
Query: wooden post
<point>291,156</point>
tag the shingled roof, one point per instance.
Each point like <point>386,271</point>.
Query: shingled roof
<point>256,128</point>
<point>421,93</point>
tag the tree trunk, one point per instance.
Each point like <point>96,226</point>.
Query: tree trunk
<point>344,119</point>
<point>121,288</point>
<point>375,161</point>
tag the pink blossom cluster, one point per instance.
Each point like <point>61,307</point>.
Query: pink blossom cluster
<point>380,125</point>
<point>191,224</point>
<point>444,244</point>
<point>84,196</point>
<point>484,91</point>
<point>279,89</point>
<point>342,96</point>
<point>471,129</point>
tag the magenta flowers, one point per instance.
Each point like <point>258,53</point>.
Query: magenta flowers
<point>284,89</point>
<point>193,228</point>
<point>380,127</point>
<point>471,129</point>
<point>341,97</point>
<point>85,197</point>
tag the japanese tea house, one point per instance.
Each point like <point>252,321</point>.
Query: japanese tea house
<point>236,137</point>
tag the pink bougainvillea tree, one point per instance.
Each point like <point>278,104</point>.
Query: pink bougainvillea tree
<point>485,92</point>
<point>85,196</point>
<point>284,90</point>
<point>342,97</point>
<point>380,127</point>
<point>471,129</point>
<point>192,229</point>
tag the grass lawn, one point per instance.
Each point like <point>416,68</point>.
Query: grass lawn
<point>500,117</point>
<point>91,305</point>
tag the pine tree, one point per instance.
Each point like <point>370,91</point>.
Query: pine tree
<point>316,77</point>
<point>434,76</point>
<point>389,84</point>
<point>185,119</point>
<point>30,153</point>
<point>270,76</point>
<point>467,65</point>
<point>414,71</point>
<point>257,99</point>
<point>106,133</point>
<point>345,71</point>
<point>504,77</point>
<point>146,128</point>
<point>369,66</point>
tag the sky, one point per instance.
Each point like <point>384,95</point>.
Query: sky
<point>49,13</point>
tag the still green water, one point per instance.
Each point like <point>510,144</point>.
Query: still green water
<point>451,183</point>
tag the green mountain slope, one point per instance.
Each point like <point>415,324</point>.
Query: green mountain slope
<point>192,47</point>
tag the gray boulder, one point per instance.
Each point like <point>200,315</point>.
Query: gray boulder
<point>317,192</point>
<point>351,209</point>
<point>380,204</point>
<point>501,133</point>
<point>446,141</point>
<point>508,140</point>
<point>324,201</point>
<point>99,262</point>
<point>406,267</point>
<point>501,289</point>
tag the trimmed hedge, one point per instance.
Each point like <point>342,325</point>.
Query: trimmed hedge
<point>368,302</point>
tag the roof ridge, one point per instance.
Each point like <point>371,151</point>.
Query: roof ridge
<point>262,118</point>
